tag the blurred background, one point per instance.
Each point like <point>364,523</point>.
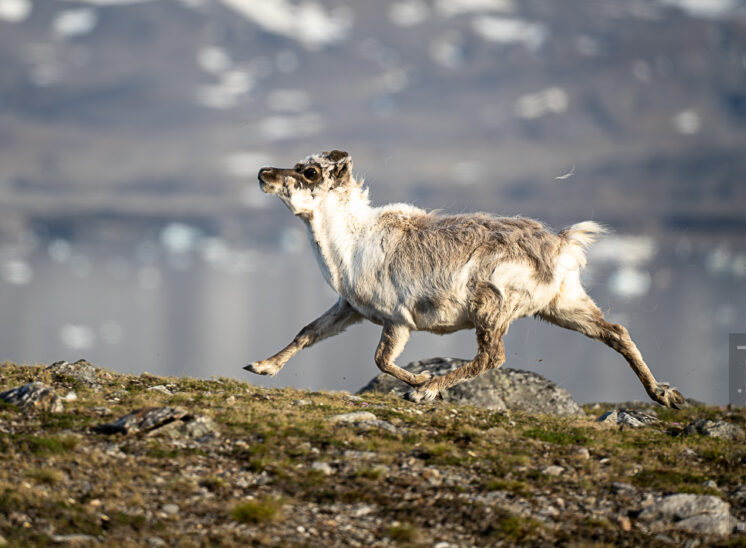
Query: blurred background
<point>133,232</point>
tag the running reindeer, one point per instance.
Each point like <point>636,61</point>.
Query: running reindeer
<point>407,269</point>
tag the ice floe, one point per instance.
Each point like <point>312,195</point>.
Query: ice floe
<point>408,12</point>
<point>552,100</point>
<point>309,23</point>
<point>74,22</point>
<point>687,122</point>
<point>14,11</point>
<point>449,8</point>
<point>508,30</point>
<point>704,8</point>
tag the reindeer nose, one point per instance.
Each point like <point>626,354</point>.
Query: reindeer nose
<point>264,172</point>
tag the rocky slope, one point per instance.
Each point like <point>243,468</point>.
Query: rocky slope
<point>95,457</point>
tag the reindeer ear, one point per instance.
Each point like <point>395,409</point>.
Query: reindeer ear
<point>337,155</point>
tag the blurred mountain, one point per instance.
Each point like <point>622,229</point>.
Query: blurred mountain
<point>127,111</point>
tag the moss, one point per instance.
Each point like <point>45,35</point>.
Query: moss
<point>46,476</point>
<point>38,445</point>
<point>574,436</point>
<point>515,528</point>
<point>667,480</point>
<point>404,533</point>
<point>264,510</point>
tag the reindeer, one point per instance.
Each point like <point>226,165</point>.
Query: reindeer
<point>408,269</point>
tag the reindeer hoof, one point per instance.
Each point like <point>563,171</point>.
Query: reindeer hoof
<point>422,378</point>
<point>421,394</point>
<point>670,397</point>
<point>263,367</point>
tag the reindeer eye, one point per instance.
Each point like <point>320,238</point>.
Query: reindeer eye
<point>311,173</point>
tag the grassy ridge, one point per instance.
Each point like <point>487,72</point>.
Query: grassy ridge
<point>446,474</point>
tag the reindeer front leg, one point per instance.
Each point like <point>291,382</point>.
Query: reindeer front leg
<point>333,321</point>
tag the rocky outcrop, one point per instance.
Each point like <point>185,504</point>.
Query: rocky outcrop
<point>716,429</point>
<point>34,395</point>
<point>173,422</point>
<point>701,514</point>
<point>500,389</point>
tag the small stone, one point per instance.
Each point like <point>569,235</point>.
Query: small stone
<point>710,483</point>
<point>160,388</point>
<point>323,467</point>
<point>170,509</point>
<point>34,395</point>
<point>620,487</point>
<point>605,460</point>
<point>302,403</point>
<point>553,470</point>
<point>610,417</point>
<point>625,524</point>
<point>156,542</point>
<point>74,539</point>
<point>581,453</point>
<point>351,418</point>
<point>70,396</point>
<point>687,452</point>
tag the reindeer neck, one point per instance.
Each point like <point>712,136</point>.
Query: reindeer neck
<point>337,228</point>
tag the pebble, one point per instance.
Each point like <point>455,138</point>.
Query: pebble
<point>323,467</point>
<point>581,453</point>
<point>74,539</point>
<point>170,509</point>
<point>625,524</point>
<point>553,470</point>
<point>157,542</point>
<point>356,416</point>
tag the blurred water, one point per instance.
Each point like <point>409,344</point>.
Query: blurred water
<point>187,304</point>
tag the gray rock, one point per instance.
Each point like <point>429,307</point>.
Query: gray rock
<point>701,514</point>
<point>499,389</point>
<point>196,427</point>
<point>34,395</point>
<point>156,542</point>
<point>716,429</point>
<point>81,370</point>
<point>553,470</point>
<point>351,418</point>
<point>173,422</point>
<point>627,418</point>
<point>142,420</point>
<point>383,425</point>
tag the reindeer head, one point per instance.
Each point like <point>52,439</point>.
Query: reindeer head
<point>303,187</point>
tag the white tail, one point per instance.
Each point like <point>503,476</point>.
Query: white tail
<point>580,236</point>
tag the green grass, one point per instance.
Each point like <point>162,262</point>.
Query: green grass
<point>264,510</point>
<point>575,436</point>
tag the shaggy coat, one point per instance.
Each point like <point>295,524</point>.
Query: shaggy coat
<point>407,269</point>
